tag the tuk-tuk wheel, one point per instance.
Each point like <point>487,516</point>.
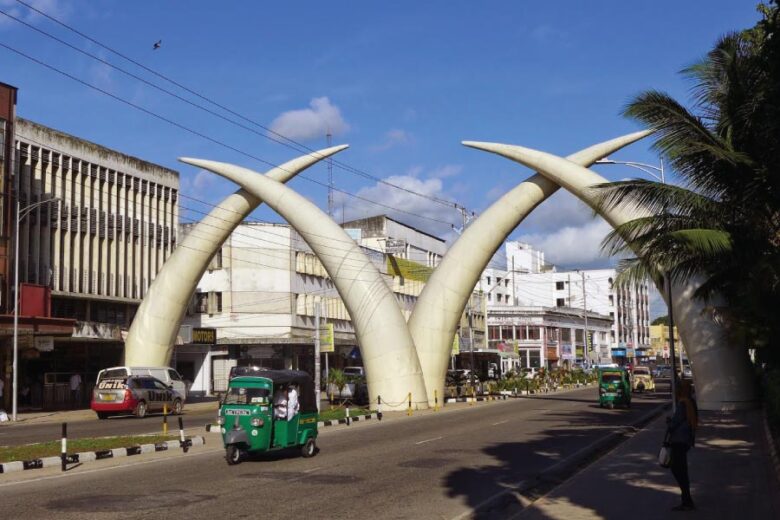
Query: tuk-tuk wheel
<point>309,448</point>
<point>234,455</point>
<point>611,405</point>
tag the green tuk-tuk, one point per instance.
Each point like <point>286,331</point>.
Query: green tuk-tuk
<point>249,423</point>
<point>614,387</point>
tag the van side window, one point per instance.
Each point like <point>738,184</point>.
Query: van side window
<point>174,375</point>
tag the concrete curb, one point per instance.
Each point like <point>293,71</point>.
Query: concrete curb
<point>215,428</point>
<point>88,456</point>
<point>774,456</point>
<point>477,399</point>
<point>506,503</point>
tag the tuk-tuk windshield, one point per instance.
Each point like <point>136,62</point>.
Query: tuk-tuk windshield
<point>611,377</point>
<point>244,395</point>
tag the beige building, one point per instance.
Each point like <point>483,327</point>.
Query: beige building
<point>659,341</point>
<point>89,257</point>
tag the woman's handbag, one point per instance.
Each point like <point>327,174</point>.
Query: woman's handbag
<point>665,453</point>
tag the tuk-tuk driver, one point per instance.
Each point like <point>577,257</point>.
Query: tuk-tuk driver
<point>280,402</point>
<point>292,402</point>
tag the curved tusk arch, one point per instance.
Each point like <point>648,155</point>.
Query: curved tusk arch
<point>153,332</point>
<point>722,373</point>
<point>392,367</point>
<point>438,310</point>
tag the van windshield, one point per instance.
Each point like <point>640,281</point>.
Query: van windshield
<point>242,395</point>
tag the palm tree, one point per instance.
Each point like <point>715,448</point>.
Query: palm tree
<point>723,221</point>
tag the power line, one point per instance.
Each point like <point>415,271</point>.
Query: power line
<point>280,138</point>
<point>206,137</point>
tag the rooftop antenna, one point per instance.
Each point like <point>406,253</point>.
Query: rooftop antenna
<point>329,137</point>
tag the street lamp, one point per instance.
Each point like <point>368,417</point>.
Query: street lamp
<point>20,214</point>
<point>650,169</point>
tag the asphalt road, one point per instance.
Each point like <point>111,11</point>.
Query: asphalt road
<point>438,465</point>
<point>12,435</point>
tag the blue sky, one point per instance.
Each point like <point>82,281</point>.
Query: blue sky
<point>402,82</point>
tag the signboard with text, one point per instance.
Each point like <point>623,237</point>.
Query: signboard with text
<point>204,336</point>
<point>327,341</point>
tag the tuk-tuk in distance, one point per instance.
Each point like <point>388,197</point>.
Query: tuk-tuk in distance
<point>614,387</point>
<point>249,423</point>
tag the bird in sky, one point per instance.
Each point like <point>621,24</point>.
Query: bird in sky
<point>157,45</point>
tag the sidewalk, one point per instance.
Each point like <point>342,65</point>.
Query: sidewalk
<point>729,469</point>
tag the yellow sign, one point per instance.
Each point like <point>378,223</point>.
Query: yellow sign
<point>327,343</point>
<point>456,345</point>
<point>203,336</point>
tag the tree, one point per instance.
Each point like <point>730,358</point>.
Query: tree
<point>723,221</point>
<point>661,320</point>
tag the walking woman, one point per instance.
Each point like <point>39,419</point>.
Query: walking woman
<point>682,433</point>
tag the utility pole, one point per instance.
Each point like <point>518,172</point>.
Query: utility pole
<point>514,285</point>
<point>317,353</point>
<point>585,308</point>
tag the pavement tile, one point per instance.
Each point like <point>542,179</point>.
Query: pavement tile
<point>729,470</point>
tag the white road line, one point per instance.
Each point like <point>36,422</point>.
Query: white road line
<point>119,466</point>
<point>428,440</point>
<point>499,422</point>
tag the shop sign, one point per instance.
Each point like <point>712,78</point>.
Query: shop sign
<point>204,336</point>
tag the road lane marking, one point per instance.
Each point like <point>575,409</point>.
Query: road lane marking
<point>119,466</point>
<point>500,422</point>
<point>428,440</point>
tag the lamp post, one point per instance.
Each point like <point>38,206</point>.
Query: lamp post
<point>20,214</point>
<point>650,169</point>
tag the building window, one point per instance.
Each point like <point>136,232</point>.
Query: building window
<point>490,297</point>
<point>506,282</point>
<point>488,280</point>
<point>201,303</point>
<point>559,286</point>
<point>560,302</point>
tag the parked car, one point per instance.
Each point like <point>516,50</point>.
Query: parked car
<point>136,395</point>
<point>167,375</point>
<point>687,371</point>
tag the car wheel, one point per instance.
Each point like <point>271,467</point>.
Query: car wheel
<point>234,455</point>
<point>177,407</point>
<point>102,415</point>
<point>309,448</point>
<point>140,409</point>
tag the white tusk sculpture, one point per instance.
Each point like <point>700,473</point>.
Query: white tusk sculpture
<point>390,359</point>
<point>438,310</point>
<point>721,370</point>
<point>153,332</point>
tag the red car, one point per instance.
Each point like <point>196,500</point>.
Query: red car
<point>134,395</point>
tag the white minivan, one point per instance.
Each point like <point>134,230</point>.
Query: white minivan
<point>167,375</point>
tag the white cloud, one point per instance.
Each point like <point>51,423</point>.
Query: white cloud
<point>657,304</point>
<point>311,123</point>
<point>448,170</point>
<point>393,138</point>
<point>559,211</point>
<point>401,205</point>
<point>54,8</point>
<point>572,245</point>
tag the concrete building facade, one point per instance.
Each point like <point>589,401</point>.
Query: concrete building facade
<point>265,288</point>
<point>85,260</point>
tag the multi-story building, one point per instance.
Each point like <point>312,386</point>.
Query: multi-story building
<point>546,337</point>
<point>86,259</point>
<point>659,343</point>
<point>533,283</point>
<point>265,289</point>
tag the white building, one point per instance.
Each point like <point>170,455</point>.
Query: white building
<point>534,284</point>
<point>263,288</point>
